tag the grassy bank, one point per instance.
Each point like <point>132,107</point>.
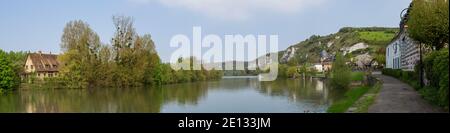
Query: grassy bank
<point>358,76</point>
<point>358,98</point>
<point>362,105</point>
<point>351,96</point>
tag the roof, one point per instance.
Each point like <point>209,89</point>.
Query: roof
<point>44,62</point>
<point>403,23</point>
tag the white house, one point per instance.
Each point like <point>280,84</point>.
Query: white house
<point>403,52</point>
<point>318,67</point>
<point>393,55</point>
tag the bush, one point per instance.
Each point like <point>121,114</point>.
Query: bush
<point>406,76</point>
<point>9,79</point>
<point>358,76</point>
<point>436,70</point>
<point>340,77</point>
<point>292,72</point>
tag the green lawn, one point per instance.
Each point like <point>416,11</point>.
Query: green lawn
<point>362,106</point>
<point>376,36</point>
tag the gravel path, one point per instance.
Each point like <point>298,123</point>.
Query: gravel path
<point>398,97</point>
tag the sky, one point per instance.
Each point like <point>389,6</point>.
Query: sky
<point>30,25</point>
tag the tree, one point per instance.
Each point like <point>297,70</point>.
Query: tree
<point>9,79</point>
<point>123,39</point>
<point>340,73</point>
<point>292,72</point>
<point>130,61</point>
<point>428,22</point>
<point>80,46</point>
<point>282,70</point>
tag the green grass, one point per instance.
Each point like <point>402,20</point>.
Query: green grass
<point>351,96</point>
<point>376,36</point>
<point>358,76</point>
<point>362,106</point>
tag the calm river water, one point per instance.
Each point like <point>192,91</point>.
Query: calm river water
<point>229,95</point>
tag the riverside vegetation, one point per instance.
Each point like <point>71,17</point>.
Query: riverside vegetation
<point>129,61</point>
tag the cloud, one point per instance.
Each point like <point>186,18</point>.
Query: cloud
<point>238,9</point>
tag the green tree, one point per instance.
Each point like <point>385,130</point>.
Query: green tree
<point>340,73</point>
<point>292,72</point>
<point>282,70</point>
<point>9,79</point>
<point>80,46</point>
<point>428,22</point>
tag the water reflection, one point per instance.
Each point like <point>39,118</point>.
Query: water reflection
<point>227,95</point>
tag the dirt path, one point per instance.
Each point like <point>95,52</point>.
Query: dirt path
<point>398,97</point>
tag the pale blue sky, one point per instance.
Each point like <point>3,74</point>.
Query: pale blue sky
<point>31,25</point>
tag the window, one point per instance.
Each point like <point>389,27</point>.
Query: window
<point>26,66</point>
<point>47,66</point>
<point>387,52</point>
<point>54,66</point>
<point>39,75</point>
<point>31,66</point>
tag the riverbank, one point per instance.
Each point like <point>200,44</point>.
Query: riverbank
<point>356,95</point>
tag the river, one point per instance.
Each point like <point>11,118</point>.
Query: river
<point>229,95</point>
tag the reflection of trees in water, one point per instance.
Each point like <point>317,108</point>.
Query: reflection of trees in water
<point>81,100</point>
<point>234,84</point>
<point>8,103</point>
<point>186,93</point>
<point>102,99</point>
<point>310,89</point>
<point>151,99</point>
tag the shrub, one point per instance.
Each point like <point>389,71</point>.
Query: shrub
<point>292,72</point>
<point>436,70</point>
<point>340,73</point>
<point>358,76</point>
<point>9,79</point>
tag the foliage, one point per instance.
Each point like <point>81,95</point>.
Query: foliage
<point>376,37</point>
<point>428,22</point>
<point>357,76</point>
<point>368,29</point>
<point>79,62</point>
<point>130,61</point>
<point>9,78</point>
<point>436,70</point>
<point>282,71</point>
<point>292,72</point>
<point>340,73</point>
<point>409,77</point>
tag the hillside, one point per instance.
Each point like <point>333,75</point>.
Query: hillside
<point>353,42</point>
